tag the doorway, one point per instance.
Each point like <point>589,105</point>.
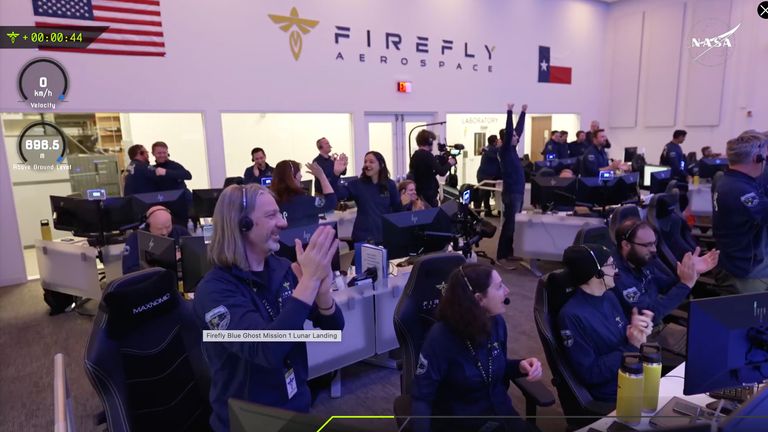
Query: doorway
<point>389,133</point>
<point>540,127</point>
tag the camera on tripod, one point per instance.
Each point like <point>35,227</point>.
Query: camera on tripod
<point>469,227</point>
<point>445,153</point>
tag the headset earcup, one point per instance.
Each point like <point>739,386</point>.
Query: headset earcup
<point>600,274</point>
<point>245,223</point>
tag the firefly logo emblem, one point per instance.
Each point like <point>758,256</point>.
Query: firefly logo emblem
<point>303,27</point>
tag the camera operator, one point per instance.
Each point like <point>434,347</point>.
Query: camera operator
<point>425,167</point>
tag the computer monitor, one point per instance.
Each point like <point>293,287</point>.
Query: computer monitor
<point>660,180</point>
<point>303,233</point>
<point>709,167</point>
<point>594,191</point>
<point>629,154</point>
<point>119,214</point>
<point>727,342</point>
<point>556,165</point>
<point>348,179</point>
<point>173,200</point>
<point>648,170</point>
<point>751,416</point>
<point>266,181</point>
<point>156,251</point>
<point>204,201</point>
<point>233,181</point>
<point>194,261</point>
<point>625,189</point>
<point>307,186</point>
<point>415,233</point>
<point>80,216</point>
<point>553,193</point>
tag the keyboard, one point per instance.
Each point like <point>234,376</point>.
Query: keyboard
<point>738,394</point>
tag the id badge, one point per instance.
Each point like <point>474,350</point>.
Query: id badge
<point>290,383</point>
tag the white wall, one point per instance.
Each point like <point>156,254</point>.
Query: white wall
<point>184,134</point>
<point>242,63</point>
<point>283,136</point>
<point>742,88</point>
<point>12,268</point>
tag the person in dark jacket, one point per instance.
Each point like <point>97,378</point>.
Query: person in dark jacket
<point>375,195</point>
<point>173,176</point>
<point>260,168</point>
<point>159,222</point>
<point>333,165</point>
<point>576,148</point>
<point>463,368</point>
<point>555,148</point>
<point>425,167</point>
<point>513,185</point>
<point>250,288</point>
<point>594,331</point>
<point>673,156</point>
<point>489,169</point>
<point>140,177</point>
<point>298,208</point>
<point>740,213</point>
<point>595,158</point>
<point>644,281</point>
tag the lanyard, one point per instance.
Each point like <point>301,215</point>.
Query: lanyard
<point>486,378</point>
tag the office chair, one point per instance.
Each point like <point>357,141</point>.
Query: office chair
<point>594,235</point>
<point>621,214</point>
<point>552,292</point>
<point>414,316</point>
<point>682,190</point>
<point>144,356</point>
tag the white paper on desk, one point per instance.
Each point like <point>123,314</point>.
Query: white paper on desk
<point>376,257</point>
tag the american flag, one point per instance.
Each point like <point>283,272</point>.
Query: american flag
<point>134,26</point>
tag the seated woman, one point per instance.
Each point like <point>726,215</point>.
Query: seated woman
<point>594,329</point>
<point>298,208</point>
<point>463,367</point>
<point>408,197</point>
<point>375,195</point>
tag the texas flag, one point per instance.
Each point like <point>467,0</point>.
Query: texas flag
<point>549,73</point>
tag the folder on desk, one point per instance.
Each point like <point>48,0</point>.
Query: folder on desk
<point>367,256</point>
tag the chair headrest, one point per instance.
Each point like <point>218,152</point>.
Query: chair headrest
<point>559,289</point>
<point>134,299</point>
<point>430,275</point>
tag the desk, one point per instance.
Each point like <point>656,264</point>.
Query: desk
<point>669,387</point>
<point>368,328</point>
<point>700,199</point>
<point>546,236</point>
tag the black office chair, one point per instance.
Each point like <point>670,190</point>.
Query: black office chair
<point>552,292</point>
<point>414,316</point>
<point>594,235</point>
<point>674,234</point>
<point>621,214</point>
<point>144,356</point>
<point>233,180</point>
<point>682,191</point>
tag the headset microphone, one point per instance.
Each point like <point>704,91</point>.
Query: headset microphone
<point>507,301</point>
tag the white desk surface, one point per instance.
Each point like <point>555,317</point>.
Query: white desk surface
<point>546,236</point>
<point>671,385</point>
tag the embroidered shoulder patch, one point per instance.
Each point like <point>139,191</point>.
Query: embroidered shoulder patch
<point>217,318</point>
<point>421,368</point>
<point>567,338</point>
<point>750,200</point>
<point>631,294</point>
<point>319,202</point>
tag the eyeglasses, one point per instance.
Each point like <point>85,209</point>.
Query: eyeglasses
<point>646,245</point>
<point>611,265</point>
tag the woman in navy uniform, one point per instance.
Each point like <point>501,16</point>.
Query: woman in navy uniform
<point>463,368</point>
<point>250,288</point>
<point>375,195</point>
<point>298,208</point>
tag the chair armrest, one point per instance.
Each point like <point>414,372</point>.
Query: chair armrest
<point>677,316</point>
<point>535,391</point>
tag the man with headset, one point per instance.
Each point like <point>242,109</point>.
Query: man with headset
<point>740,213</point>
<point>594,330</point>
<point>250,288</point>
<point>158,221</point>
<point>260,168</point>
<point>643,281</point>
